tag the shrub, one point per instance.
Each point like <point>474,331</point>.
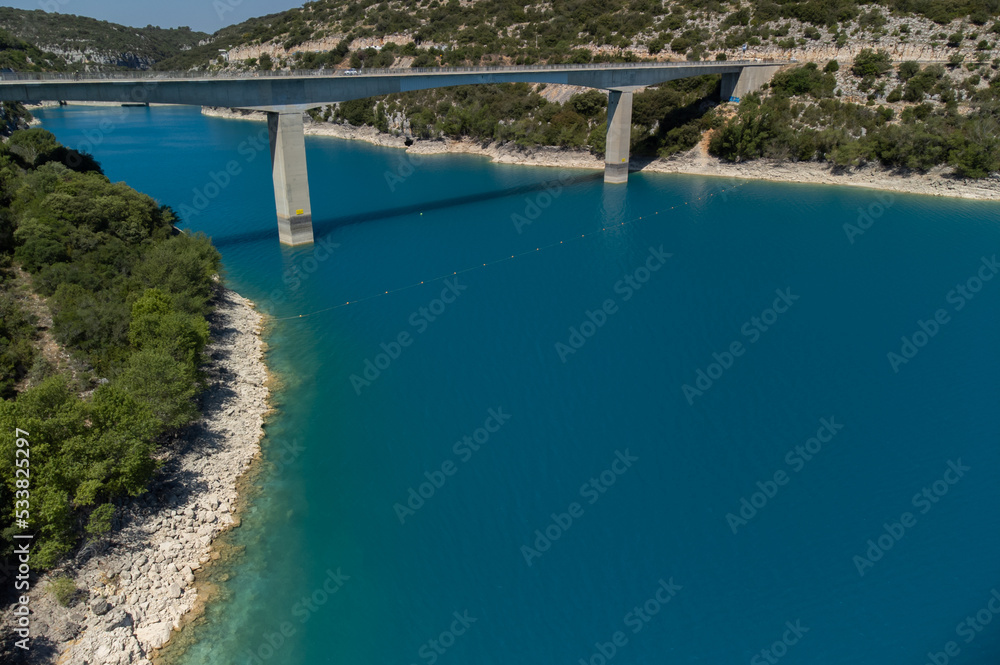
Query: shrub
<point>908,70</point>
<point>64,589</point>
<point>871,63</point>
<point>804,80</point>
<point>739,17</point>
<point>154,377</point>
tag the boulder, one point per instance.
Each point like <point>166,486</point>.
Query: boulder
<point>99,606</point>
<point>155,635</point>
<point>118,618</point>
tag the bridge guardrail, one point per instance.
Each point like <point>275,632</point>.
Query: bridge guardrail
<point>321,73</point>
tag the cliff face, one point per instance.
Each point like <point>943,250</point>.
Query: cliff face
<point>90,55</point>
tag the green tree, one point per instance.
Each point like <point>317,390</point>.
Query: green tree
<point>99,521</point>
<point>589,104</point>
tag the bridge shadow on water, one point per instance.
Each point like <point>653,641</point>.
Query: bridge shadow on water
<point>323,227</point>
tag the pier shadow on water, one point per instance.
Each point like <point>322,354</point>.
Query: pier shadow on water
<point>322,227</point>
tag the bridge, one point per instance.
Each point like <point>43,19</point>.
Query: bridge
<point>285,96</point>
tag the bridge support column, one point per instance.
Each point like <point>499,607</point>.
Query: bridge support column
<point>749,79</point>
<point>616,147</point>
<point>291,180</point>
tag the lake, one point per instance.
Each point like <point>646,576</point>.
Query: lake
<point>689,420</point>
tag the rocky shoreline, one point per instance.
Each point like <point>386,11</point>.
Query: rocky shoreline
<point>138,586</point>
<point>936,182</point>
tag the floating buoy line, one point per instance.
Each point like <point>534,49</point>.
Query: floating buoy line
<point>506,258</point>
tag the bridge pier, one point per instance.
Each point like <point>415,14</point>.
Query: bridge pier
<point>748,79</point>
<point>616,147</point>
<point>291,180</point>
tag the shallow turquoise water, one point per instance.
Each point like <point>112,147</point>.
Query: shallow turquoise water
<point>344,459</point>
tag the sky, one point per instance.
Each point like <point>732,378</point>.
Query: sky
<point>204,15</point>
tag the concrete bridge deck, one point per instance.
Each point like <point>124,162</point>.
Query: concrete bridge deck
<point>284,96</point>
<point>315,88</point>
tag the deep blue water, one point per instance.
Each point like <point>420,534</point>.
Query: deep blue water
<point>343,459</point>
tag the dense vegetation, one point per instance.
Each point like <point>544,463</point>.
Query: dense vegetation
<point>28,38</point>
<point>128,297</point>
<point>19,55</point>
<point>801,120</point>
<point>666,118</point>
<point>453,32</point>
<point>936,115</point>
<point>200,55</point>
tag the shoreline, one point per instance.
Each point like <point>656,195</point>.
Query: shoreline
<point>697,161</point>
<point>139,587</point>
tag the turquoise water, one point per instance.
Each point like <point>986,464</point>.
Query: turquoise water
<point>638,482</point>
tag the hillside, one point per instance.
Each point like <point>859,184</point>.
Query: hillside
<point>75,42</point>
<point>910,84</point>
<point>477,31</point>
<point>905,84</point>
<point>22,56</point>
